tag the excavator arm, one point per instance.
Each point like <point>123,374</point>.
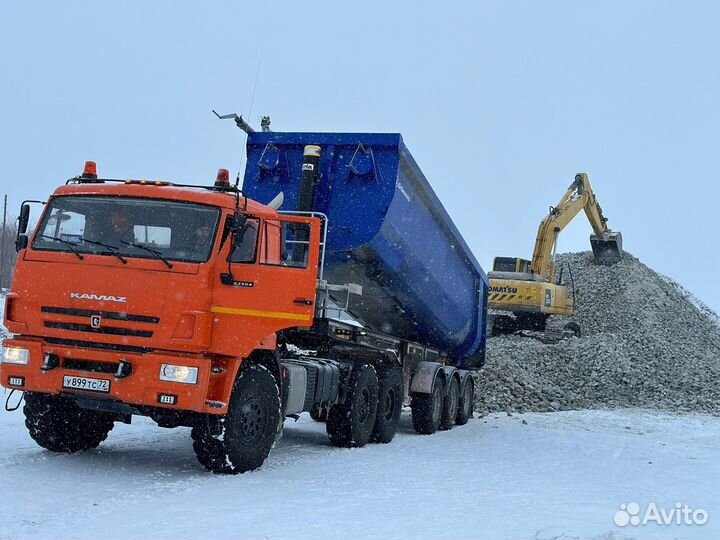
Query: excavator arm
<point>606,244</point>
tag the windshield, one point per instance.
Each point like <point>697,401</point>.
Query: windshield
<point>128,227</point>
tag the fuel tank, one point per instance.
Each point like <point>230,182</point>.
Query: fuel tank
<point>387,231</point>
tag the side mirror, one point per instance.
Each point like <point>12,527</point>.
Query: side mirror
<point>239,225</point>
<point>24,218</point>
<point>21,242</point>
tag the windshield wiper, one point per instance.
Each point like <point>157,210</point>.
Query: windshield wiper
<point>154,252</point>
<point>66,242</point>
<point>113,250</point>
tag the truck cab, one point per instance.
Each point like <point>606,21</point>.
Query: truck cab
<point>198,306</point>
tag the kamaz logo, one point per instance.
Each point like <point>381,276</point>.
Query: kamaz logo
<point>98,297</point>
<point>511,290</point>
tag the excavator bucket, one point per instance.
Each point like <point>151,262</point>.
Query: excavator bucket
<point>607,248</point>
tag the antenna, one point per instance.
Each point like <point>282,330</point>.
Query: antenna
<point>252,102</point>
<point>241,123</point>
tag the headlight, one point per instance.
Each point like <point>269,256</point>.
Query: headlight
<point>181,374</point>
<point>15,355</point>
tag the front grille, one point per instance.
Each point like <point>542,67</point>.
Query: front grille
<point>91,366</point>
<point>111,330</point>
<point>105,327</point>
<point>112,315</point>
<point>99,346</point>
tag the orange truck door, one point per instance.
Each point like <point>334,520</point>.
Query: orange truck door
<point>275,271</point>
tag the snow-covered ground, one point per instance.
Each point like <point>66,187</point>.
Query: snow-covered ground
<point>535,476</point>
<point>557,475</point>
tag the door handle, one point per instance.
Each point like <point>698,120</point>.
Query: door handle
<point>303,302</point>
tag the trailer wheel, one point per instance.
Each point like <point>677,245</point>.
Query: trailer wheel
<point>241,440</point>
<point>450,405</point>
<point>58,424</point>
<point>467,399</point>
<point>427,409</point>
<point>351,424</point>
<point>390,397</point>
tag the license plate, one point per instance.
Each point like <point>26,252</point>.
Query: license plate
<point>86,383</point>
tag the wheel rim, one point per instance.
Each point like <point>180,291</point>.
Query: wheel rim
<point>364,406</point>
<point>389,404</point>
<point>252,419</point>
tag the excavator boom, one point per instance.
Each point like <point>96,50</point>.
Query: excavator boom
<point>606,244</point>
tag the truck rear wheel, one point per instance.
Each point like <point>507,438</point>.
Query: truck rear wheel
<point>351,424</point>
<point>241,440</point>
<point>58,424</point>
<point>390,396</point>
<point>467,399</point>
<point>450,405</point>
<point>427,409</point>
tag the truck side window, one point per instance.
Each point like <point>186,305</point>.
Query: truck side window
<point>286,244</point>
<point>270,250</point>
<point>245,248</point>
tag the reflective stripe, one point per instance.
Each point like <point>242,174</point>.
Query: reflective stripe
<point>257,313</point>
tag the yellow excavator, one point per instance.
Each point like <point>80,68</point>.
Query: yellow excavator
<point>524,294</point>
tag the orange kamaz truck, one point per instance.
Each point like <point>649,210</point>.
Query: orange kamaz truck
<point>333,283</point>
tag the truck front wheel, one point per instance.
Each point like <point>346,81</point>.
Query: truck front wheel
<point>351,423</point>
<point>241,440</point>
<point>58,424</point>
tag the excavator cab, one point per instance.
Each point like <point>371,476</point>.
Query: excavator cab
<point>607,248</point>
<point>511,264</point>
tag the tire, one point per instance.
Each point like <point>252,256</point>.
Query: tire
<point>465,406</point>
<point>427,409</point>
<point>351,424</point>
<point>450,405</point>
<point>241,440</point>
<point>319,415</point>
<point>58,424</point>
<point>390,397</point>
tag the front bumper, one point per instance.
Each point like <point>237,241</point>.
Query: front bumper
<point>142,386</point>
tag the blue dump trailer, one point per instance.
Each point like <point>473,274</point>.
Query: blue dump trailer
<point>387,232</point>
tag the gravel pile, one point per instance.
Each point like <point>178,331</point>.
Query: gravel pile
<point>646,342</point>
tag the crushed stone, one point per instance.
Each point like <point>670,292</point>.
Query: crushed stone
<point>645,342</point>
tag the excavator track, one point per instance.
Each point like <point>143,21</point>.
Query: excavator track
<point>555,330</point>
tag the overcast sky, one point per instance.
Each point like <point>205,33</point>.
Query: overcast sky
<point>500,103</point>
